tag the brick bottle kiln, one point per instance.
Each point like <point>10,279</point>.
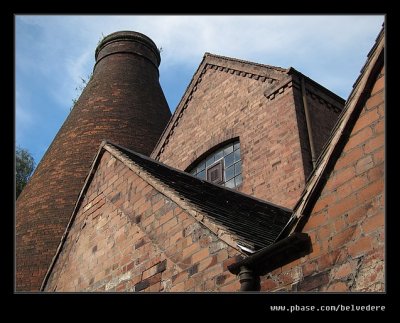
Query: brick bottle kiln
<point>124,103</point>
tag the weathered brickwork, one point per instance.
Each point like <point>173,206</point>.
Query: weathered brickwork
<point>323,110</point>
<point>130,232</point>
<point>127,236</point>
<point>225,104</point>
<point>346,225</point>
<point>123,103</point>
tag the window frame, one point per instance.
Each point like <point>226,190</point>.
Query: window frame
<point>219,168</point>
<point>203,164</point>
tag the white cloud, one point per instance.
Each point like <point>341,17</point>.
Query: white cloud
<point>187,37</point>
<point>56,51</point>
<point>265,39</point>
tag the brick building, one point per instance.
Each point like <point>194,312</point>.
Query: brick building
<point>261,180</point>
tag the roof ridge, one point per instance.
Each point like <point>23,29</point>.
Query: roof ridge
<point>281,69</point>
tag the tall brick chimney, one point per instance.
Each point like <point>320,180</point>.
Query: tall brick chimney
<point>124,103</point>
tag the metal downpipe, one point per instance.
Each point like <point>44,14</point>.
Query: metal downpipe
<point>308,122</point>
<point>248,280</point>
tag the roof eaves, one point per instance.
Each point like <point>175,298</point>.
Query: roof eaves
<point>276,255</point>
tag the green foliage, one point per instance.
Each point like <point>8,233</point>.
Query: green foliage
<point>101,39</point>
<point>79,89</point>
<point>24,166</point>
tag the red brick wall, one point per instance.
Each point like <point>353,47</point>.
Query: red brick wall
<point>324,112</point>
<point>346,225</point>
<point>269,121</point>
<point>324,109</point>
<point>227,105</point>
<point>127,236</point>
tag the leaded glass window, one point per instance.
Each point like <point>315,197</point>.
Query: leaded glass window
<point>223,166</point>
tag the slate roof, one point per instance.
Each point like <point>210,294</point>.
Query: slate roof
<point>255,223</point>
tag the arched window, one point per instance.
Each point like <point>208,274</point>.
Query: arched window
<point>223,166</point>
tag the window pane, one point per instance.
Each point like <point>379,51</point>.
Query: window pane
<point>231,155</point>
<point>215,173</point>
<point>237,155</point>
<point>229,173</point>
<point>210,160</point>
<point>201,166</point>
<point>231,183</point>
<point>238,168</point>
<point>219,154</point>
<point>202,174</point>
<point>238,180</point>
<point>228,149</point>
<point>228,160</point>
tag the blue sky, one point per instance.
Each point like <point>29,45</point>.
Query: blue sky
<point>54,52</point>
